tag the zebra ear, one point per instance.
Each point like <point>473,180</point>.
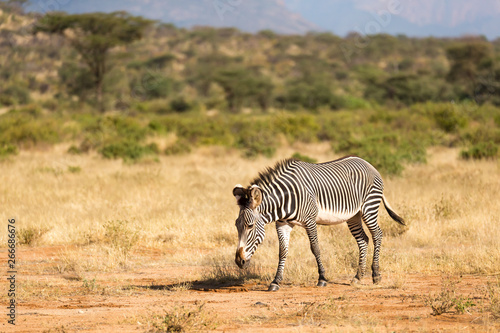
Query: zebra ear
<point>239,193</point>
<point>256,196</point>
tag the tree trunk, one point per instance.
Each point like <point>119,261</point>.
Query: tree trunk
<point>98,95</point>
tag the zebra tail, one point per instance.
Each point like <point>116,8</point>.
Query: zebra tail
<point>392,214</point>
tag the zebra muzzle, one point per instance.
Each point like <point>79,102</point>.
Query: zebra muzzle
<point>242,263</point>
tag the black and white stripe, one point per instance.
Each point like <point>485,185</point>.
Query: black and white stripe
<point>305,194</point>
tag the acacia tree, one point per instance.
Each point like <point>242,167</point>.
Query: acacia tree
<point>471,63</point>
<point>93,35</point>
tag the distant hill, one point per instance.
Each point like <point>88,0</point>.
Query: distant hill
<point>251,16</point>
<point>414,18</point>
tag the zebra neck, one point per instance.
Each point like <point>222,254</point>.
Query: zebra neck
<point>269,209</point>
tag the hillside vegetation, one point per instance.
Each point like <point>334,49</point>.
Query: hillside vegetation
<point>385,98</point>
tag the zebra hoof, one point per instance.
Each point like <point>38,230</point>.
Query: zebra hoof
<point>355,281</point>
<point>321,283</point>
<point>377,279</point>
<point>273,287</point>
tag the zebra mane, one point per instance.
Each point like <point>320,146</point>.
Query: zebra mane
<point>272,173</point>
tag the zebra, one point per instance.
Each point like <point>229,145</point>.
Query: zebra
<point>297,193</point>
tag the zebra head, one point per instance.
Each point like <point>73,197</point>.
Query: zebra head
<point>249,223</point>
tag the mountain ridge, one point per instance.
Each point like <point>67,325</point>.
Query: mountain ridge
<point>444,18</point>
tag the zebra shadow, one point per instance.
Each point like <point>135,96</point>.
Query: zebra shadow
<point>211,285</point>
<point>203,285</point>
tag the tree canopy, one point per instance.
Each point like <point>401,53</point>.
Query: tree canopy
<point>93,35</point>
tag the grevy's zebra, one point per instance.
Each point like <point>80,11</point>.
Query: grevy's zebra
<point>299,193</point>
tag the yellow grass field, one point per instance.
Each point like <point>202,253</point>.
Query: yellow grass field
<point>104,245</point>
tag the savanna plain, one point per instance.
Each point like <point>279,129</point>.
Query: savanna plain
<point>105,245</point>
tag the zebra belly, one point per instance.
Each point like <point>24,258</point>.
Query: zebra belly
<point>328,217</point>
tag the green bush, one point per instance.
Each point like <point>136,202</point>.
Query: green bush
<point>178,148</point>
<point>179,104</point>
<point>449,119</point>
<point>74,150</point>
<point>308,95</point>
<point>300,157</point>
<point>99,131</point>
<point>152,85</point>
<point>256,138</point>
<point>381,155</point>
<point>7,150</point>
<point>74,169</point>
<point>23,129</point>
<point>413,152</point>
<point>202,130</point>
<point>14,94</point>
<point>128,150</point>
<point>386,152</point>
<point>483,150</point>
<point>303,128</point>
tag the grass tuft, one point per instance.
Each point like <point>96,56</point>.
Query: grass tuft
<point>449,299</point>
<point>31,235</point>
<point>182,319</point>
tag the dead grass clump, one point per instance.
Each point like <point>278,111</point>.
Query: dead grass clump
<point>314,313</point>
<point>31,235</point>
<point>448,299</point>
<point>166,237</point>
<point>120,235</point>
<point>182,319</point>
<point>333,311</point>
<point>397,280</point>
<point>493,294</point>
<point>446,207</point>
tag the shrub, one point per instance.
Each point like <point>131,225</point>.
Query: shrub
<point>257,143</point>
<point>302,128</point>
<point>21,128</point>
<point>128,150</point>
<point>120,235</point>
<point>493,294</point>
<point>8,150</point>
<point>203,131</point>
<point>448,119</point>
<point>300,157</point>
<point>182,319</point>
<point>116,130</point>
<point>31,235</point>
<point>483,150</point>
<point>413,151</point>
<point>14,94</point>
<point>74,169</point>
<point>74,150</point>
<point>377,150</point>
<point>179,104</point>
<point>255,138</point>
<point>448,299</point>
<point>179,147</point>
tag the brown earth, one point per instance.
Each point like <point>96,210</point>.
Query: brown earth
<point>137,299</point>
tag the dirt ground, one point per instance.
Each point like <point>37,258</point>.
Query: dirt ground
<point>164,296</point>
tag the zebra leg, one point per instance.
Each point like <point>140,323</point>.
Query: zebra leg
<point>283,230</point>
<point>356,228</point>
<point>312,233</point>
<point>370,219</point>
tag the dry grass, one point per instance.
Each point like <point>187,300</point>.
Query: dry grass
<point>181,319</point>
<point>183,205</point>
<point>449,299</point>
